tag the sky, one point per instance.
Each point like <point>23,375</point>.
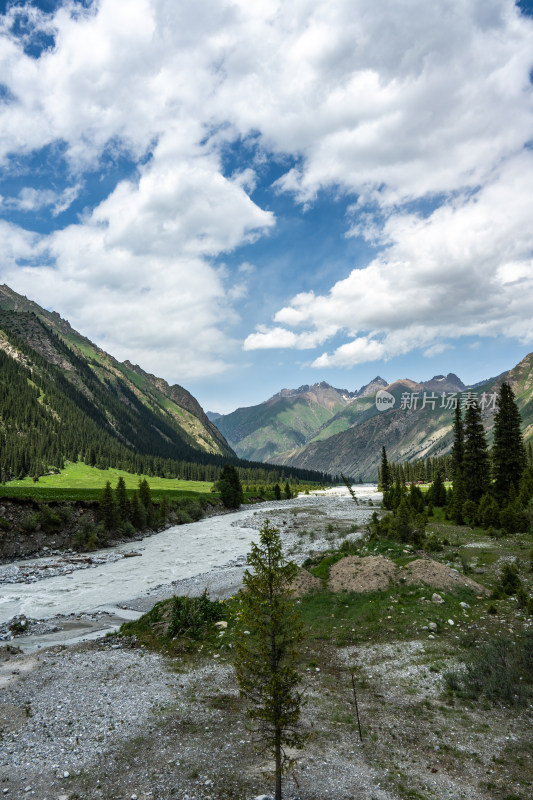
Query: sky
<point>246,196</point>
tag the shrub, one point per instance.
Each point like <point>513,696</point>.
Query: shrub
<point>509,582</point>
<point>501,670</point>
<point>126,529</point>
<point>192,616</point>
<point>433,544</point>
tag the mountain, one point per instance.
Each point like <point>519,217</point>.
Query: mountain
<point>286,421</point>
<point>336,430</point>
<point>61,396</point>
<point>351,442</point>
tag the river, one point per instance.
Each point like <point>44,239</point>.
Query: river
<point>181,552</point>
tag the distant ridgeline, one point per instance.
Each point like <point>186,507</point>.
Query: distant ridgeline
<point>62,398</point>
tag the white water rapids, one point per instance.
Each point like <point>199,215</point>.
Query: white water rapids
<point>180,552</point>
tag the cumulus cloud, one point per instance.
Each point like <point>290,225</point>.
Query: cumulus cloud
<point>465,269</point>
<point>31,199</point>
<point>387,104</point>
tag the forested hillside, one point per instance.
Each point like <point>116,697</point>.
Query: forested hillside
<point>62,398</point>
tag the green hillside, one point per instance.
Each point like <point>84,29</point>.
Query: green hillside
<point>64,399</point>
<point>286,421</point>
<point>352,441</point>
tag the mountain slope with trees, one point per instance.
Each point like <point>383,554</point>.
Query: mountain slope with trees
<point>288,420</point>
<point>352,440</point>
<point>63,398</point>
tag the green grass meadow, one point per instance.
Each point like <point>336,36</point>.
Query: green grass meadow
<point>78,481</point>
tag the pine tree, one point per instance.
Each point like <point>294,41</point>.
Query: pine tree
<point>266,649</point>
<point>230,488</point>
<point>458,449</point>
<point>121,497</point>
<point>476,464</point>
<point>277,491</point>
<point>508,452</point>
<point>385,473</point>
<point>107,508</point>
<point>437,492</point>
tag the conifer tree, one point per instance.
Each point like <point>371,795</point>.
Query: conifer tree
<point>230,488</point>
<point>508,452</point>
<point>385,472</point>
<point>108,508</point>
<point>266,649</point>
<point>476,464</point>
<point>123,503</point>
<point>459,494</point>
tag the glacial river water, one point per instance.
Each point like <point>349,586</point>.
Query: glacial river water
<point>174,554</point>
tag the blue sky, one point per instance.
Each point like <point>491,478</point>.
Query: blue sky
<point>242,197</point>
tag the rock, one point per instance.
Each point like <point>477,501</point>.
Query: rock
<point>451,622</point>
<point>222,624</point>
<point>464,605</point>
<point>436,598</point>
<point>432,626</point>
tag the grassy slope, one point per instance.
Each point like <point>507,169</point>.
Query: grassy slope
<point>79,481</point>
<point>107,368</point>
<point>260,432</point>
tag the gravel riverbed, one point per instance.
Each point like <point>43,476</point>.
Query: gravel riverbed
<point>109,720</point>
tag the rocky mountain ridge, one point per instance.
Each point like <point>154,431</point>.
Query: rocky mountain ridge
<point>349,428</point>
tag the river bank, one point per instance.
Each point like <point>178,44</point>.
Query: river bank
<point>86,600</point>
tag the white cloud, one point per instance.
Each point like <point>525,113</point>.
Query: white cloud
<point>387,103</point>
<point>134,274</point>
<point>31,199</point>
<point>266,338</point>
<point>467,269</point>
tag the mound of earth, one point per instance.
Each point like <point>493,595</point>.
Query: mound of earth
<point>304,583</point>
<point>439,576</point>
<point>377,573</point>
<point>355,574</point>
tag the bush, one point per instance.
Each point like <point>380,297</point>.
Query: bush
<point>501,670</point>
<point>126,530</point>
<point>513,519</point>
<point>509,582</point>
<point>433,544</point>
<point>192,616</point>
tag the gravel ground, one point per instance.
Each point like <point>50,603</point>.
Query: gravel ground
<point>108,720</point>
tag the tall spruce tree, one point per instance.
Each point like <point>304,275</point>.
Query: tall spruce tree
<point>385,475</point>
<point>508,453</point>
<point>458,452</point>
<point>230,488</point>
<point>476,463</point>
<point>266,649</point>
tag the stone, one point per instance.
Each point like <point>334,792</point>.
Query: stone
<point>432,626</point>
<point>464,605</point>
<point>222,624</point>
<point>436,598</point>
<point>451,622</point>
